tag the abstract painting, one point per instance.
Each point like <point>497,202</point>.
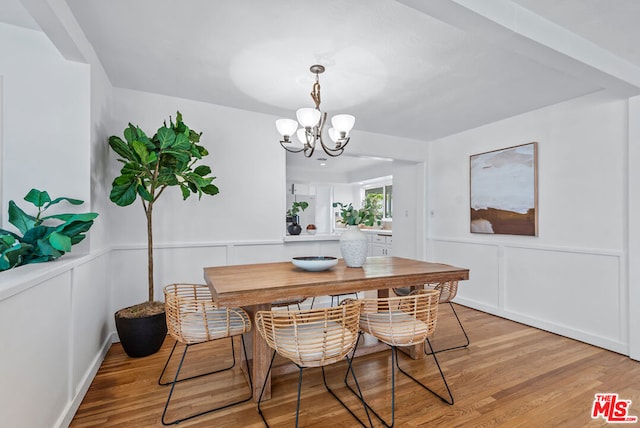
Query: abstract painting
<point>504,191</point>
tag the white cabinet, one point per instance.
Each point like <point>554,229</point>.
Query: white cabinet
<point>380,244</point>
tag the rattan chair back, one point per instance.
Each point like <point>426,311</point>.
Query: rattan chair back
<point>313,337</point>
<point>448,290</point>
<point>193,317</point>
<point>401,321</point>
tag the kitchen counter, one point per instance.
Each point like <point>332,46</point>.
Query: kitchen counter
<point>303,237</point>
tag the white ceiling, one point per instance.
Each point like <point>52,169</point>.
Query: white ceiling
<point>409,68</point>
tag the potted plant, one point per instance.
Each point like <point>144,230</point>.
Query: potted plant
<point>44,238</point>
<point>150,165</point>
<point>354,244</point>
<point>294,228</point>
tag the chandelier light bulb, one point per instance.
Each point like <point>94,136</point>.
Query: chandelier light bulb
<point>301,135</point>
<point>286,127</point>
<point>333,134</point>
<point>308,117</point>
<point>343,123</point>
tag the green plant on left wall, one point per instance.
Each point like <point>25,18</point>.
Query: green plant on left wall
<point>44,238</point>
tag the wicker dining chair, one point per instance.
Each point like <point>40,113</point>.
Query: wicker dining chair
<point>311,338</point>
<point>448,291</point>
<point>193,318</point>
<point>401,322</point>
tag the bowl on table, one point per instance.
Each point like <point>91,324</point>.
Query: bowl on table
<point>315,263</point>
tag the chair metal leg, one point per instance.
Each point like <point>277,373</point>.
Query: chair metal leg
<point>233,355</point>
<point>300,391</point>
<point>433,354</point>
<point>264,384</point>
<point>175,381</point>
<point>359,394</point>
<point>394,364</point>
<point>463,331</point>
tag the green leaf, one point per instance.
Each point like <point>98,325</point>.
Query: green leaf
<point>194,136</point>
<point>121,148</point>
<point>60,242</point>
<point>141,151</point>
<point>132,168</point>
<point>21,220</point>
<point>37,198</point>
<point>36,234</point>
<point>182,143</point>
<point>185,192</point>
<point>130,133</point>
<point>144,193</point>
<point>166,137</point>
<point>71,201</point>
<point>44,248</point>
<point>40,259</point>
<point>210,190</point>
<point>123,192</point>
<point>197,180</point>
<point>13,256</point>
<point>202,170</point>
<point>74,228</point>
<point>179,156</point>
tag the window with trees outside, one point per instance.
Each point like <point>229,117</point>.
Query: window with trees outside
<point>383,196</point>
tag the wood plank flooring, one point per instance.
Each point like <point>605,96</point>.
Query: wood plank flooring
<point>510,376</point>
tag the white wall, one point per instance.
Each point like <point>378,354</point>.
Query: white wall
<point>45,121</point>
<point>571,279</point>
<point>633,219</point>
<point>408,209</point>
<point>53,316</point>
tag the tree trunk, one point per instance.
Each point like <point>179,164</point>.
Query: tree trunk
<point>149,213</point>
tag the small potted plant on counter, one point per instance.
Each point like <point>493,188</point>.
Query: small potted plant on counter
<point>294,228</point>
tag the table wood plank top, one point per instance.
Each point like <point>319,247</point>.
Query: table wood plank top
<point>254,284</point>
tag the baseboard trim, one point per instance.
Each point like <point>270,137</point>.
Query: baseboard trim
<point>562,330</point>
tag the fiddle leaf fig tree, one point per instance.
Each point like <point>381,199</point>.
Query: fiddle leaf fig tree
<point>151,164</point>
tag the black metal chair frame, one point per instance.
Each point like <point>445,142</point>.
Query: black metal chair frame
<point>324,379</point>
<point>463,332</point>
<point>394,364</point>
<point>176,380</point>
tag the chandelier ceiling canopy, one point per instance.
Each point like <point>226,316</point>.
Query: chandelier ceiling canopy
<point>312,121</point>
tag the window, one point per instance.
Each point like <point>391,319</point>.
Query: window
<point>384,196</point>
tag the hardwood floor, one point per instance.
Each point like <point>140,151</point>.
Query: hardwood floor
<point>510,375</point>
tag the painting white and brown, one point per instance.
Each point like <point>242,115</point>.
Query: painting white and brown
<point>504,193</point>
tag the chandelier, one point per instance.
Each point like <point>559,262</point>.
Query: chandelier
<point>312,121</point>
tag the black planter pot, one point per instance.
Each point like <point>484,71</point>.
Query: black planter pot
<point>294,229</point>
<point>143,336</point>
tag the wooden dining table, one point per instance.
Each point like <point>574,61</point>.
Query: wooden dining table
<point>255,287</point>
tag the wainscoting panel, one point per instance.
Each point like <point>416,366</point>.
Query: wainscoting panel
<point>34,329</point>
<point>576,290</point>
<point>578,293</point>
<point>482,260</point>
